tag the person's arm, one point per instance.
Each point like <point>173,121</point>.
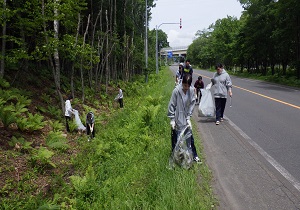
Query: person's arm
<point>172,105</point>
<point>229,85</point>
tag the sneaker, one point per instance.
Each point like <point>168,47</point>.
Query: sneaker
<point>222,119</point>
<point>196,159</point>
<point>218,122</point>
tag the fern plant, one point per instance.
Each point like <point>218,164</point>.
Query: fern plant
<point>149,114</point>
<point>85,186</point>
<point>7,114</point>
<point>46,98</point>
<point>56,125</point>
<point>54,111</point>
<point>24,146</point>
<point>42,156</point>
<point>32,123</point>
<point>56,140</point>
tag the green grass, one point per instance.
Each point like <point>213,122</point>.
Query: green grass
<point>126,166</point>
<point>128,160</point>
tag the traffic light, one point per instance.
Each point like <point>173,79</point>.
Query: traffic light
<point>180,26</point>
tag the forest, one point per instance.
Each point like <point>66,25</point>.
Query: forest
<point>266,39</point>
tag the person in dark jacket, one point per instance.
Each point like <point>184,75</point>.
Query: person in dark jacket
<point>199,84</point>
<point>90,124</point>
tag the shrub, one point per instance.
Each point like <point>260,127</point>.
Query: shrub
<point>32,123</point>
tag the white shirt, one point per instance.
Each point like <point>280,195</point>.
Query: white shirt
<point>68,108</point>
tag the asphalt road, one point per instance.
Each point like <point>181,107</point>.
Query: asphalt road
<point>255,153</point>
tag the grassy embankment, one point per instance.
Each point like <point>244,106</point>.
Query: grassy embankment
<point>127,162</point>
<point>124,167</point>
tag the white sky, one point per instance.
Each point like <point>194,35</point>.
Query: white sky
<point>195,14</point>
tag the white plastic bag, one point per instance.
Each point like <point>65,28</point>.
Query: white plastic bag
<point>207,106</point>
<point>182,153</point>
<point>79,124</point>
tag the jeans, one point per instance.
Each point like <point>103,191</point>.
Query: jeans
<point>174,136</point>
<point>220,107</point>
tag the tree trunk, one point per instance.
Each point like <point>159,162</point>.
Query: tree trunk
<point>2,64</point>
<point>83,46</point>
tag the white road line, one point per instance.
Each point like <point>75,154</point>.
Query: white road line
<point>271,160</point>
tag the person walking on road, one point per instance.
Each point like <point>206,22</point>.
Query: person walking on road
<point>222,86</point>
<point>187,68</point>
<point>179,74</point>
<point>199,84</point>
<point>180,110</point>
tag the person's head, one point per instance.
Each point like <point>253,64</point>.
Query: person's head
<point>219,68</point>
<point>187,62</point>
<point>186,82</point>
<point>70,97</point>
<point>180,66</point>
<point>89,115</point>
<point>199,78</point>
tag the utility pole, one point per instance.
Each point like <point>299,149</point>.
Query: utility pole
<point>156,44</point>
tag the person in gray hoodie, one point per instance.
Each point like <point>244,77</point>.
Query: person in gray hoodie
<point>222,86</point>
<point>180,110</point>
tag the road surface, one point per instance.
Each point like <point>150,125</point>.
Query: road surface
<point>255,153</point>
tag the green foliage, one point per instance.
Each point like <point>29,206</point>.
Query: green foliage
<point>32,123</point>
<point>4,83</point>
<point>7,115</point>
<point>56,125</point>
<point>56,140</point>
<point>86,186</point>
<point>46,98</point>
<point>149,114</point>
<point>21,143</point>
<point>42,157</point>
<point>54,111</point>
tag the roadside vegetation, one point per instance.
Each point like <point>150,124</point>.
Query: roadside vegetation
<point>124,167</point>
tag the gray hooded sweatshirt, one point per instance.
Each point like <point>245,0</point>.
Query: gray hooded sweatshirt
<point>181,106</point>
<point>221,84</point>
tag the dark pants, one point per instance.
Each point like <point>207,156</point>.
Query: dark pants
<point>220,107</point>
<point>199,95</point>
<point>174,137</point>
<point>67,123</point>
<point>121,102</point>
<point>88,130</point>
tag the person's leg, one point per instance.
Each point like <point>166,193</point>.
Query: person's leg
<point>193,147</point>
<point>121,102</point>
<point>173,138</point>
<point>67,123</point>
<point>218,109</point>
<point>88,129</point>
<point>93,133</point>
<point>223,104</point>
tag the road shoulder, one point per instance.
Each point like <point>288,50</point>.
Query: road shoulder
<point>242,178</point>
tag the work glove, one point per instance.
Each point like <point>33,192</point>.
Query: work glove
<point>196,96</point>
<point>91,130</point>
<point>189,124</point>
<point>172,123</point>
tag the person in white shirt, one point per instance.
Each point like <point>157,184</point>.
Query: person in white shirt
<point>119,97</point>
<point>68,111</point>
